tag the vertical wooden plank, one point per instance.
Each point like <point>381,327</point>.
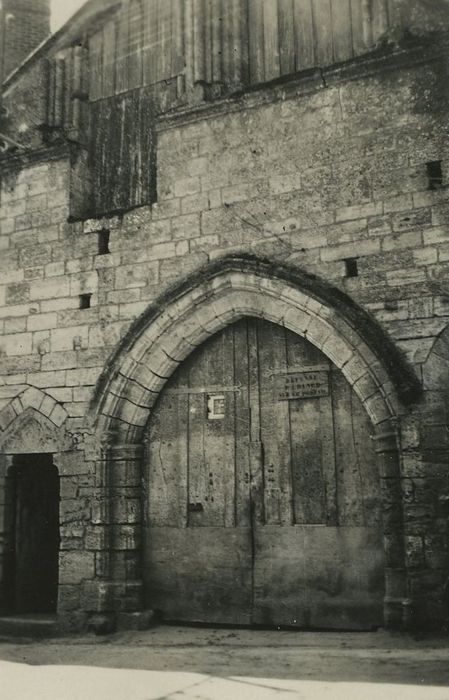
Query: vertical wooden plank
<point>136,147</point>
<point>149,49</point>
<point>189,43</point>
<point>77,87</point>
<point>68,87</point>
<point>358,41</point>
<point>304,34</point>
<point>240,38</point>
<point>212,441</point>
<point>59,90</point>
<point>135,44</point>
<point>271,39</point>
<point>368,463</point>
<point>286,37</point>
<point>167,483</point>
<point>256,41</point>
<point>228,43</point>
<point>380,18</point>
<point>329,463</point>
<point>219,447</point>
<point>109,49</point>
<point>50,71</point>
<point>242,426</point>
<point>395,11</point>
<point>358,479</point>
<point>257,500</point>
<point>84,56</point>
<point>229,429</point>
<point>311,435</point>
<point>216,22</point>
<point>96,66</point>
<point>208,17</point>
<point>322,22</point>
<point>121,78</point>
<point>197,488</point>
<point>165,35</point>
<point>367,19</point>
<point>199,45</point>
<point>358,489</point>
<point>244,34</point>
<point>275,427</point>
<point>178,56</point>
<point>342,29</point>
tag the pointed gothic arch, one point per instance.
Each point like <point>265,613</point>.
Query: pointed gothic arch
<point>204,303</point>
<point>224,292</point>
<point>33,422</point>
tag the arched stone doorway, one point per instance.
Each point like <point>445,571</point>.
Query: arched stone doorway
<point>32,435</point>
<point>224,293</point>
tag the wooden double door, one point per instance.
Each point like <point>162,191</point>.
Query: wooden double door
<point>263,502</point>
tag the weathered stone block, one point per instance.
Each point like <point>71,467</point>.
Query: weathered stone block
<point>17,293</point>
<point>75,567</point>
<point>68,598</point>
<point>187,186</point>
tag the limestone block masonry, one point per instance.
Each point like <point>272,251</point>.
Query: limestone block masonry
<point>319,177</point>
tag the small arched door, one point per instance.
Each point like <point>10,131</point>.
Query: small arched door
<point>263,503</point>
<point>32,507</point>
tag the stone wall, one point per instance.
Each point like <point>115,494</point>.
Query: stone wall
<point>328,173</point>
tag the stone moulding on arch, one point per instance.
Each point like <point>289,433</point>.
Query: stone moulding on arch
<point>223,292</point>
<point>33,422</point>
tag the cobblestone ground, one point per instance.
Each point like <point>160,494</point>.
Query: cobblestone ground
<point>171,663</point>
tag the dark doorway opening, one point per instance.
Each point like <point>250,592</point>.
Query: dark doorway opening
<point>33,499</point>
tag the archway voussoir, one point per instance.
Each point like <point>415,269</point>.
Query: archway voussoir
<point>110,403</point>
<point>59,415</point>
<point>156,358</point>
<point>136,393</point>
<point>181,307</point>
<point>7,415</point>
<point>140,416</point>
<point>32,398</point>
<point>338,350</point>
<point>376,407</point>
<point>177,349</point>
<point>118,384</point>
<point>114,430</point>
<point>128,367</point>
<point>125,410</point>
<point>368,356</point>
<point>366,386</point>
<point>231,316</point>
<point>269,286</point>
<point>318,332</point>
<point>354,368</point>
<point>202,316</point>
<point>294,297</point>
<point>17,406</point>
<point>297,321</point>
<point>47,405</point>
<point>152,382</point>
<point>198,295</point>
<point>241,281</point>
<point>274,310</point>
<point>315,306</point>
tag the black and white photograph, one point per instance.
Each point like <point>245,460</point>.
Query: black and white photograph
<point>224,349</point>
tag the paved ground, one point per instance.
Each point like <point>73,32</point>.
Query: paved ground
<point>176,663</point>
